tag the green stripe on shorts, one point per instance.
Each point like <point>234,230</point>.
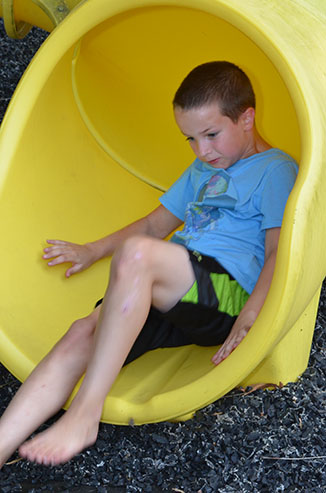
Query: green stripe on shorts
<point>232,297</point>
<point>191,296</point>
<point>230,294</point>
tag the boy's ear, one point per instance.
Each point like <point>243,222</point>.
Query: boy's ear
<point>248,118</point>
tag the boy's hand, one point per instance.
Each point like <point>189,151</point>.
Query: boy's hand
<point>81,256</point>
<point>239,330</point>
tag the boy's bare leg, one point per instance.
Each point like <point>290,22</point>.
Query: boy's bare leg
<point>144,271</point>
<point>48,387</point>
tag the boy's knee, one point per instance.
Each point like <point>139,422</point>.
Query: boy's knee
<point>134,253</point>
<point>82,327</point>
<point>80,333</point>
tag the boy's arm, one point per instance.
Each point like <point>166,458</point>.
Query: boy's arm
<point>250,311</point>
<point>159,224</point>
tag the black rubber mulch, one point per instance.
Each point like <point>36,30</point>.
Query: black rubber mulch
<point>264,442</point>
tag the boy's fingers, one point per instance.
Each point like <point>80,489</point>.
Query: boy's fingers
<point>228,347</point>
<point>61,259</point>
<point>52,251</point>
<point>58,248</point>
<point>57,242</point>
<point>52,255</point>
<point>73,270</point>
<point>61,250</point>
<point>219,356</point>
<point>225,350</point>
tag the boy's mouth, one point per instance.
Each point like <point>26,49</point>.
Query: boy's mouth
<point>214,161</point>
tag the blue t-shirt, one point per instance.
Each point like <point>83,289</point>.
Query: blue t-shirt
<point>226,212</point>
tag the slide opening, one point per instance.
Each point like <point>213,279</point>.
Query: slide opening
<point>100,140</point>
<point>127,69</point>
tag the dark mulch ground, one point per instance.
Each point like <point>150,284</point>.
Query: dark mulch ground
<point>265,442</point>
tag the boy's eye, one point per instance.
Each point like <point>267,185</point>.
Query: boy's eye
<point>189,139</point>
<point>212,135</point>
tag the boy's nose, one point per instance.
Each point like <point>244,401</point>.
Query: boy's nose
<point>204,149</point>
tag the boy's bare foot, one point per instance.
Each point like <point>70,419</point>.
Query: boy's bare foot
<point>65,439</point>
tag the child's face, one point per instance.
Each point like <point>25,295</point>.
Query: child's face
<point>215,138</point>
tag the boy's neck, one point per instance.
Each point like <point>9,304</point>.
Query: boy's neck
<point>259,144</point>
<point>256,145</point>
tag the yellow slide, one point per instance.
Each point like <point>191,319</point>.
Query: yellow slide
<point>88,144</point>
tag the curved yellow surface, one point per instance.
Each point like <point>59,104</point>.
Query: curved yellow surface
<point>89,141</point>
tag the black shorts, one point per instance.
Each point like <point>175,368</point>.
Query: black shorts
<point>204,316</point>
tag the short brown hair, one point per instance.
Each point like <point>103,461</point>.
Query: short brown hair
<point>221,82</point>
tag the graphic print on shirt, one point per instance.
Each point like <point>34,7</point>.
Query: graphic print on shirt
<point>200,216</point>
<point>216,185</point>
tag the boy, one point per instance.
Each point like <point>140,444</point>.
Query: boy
<point>206,286</point>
